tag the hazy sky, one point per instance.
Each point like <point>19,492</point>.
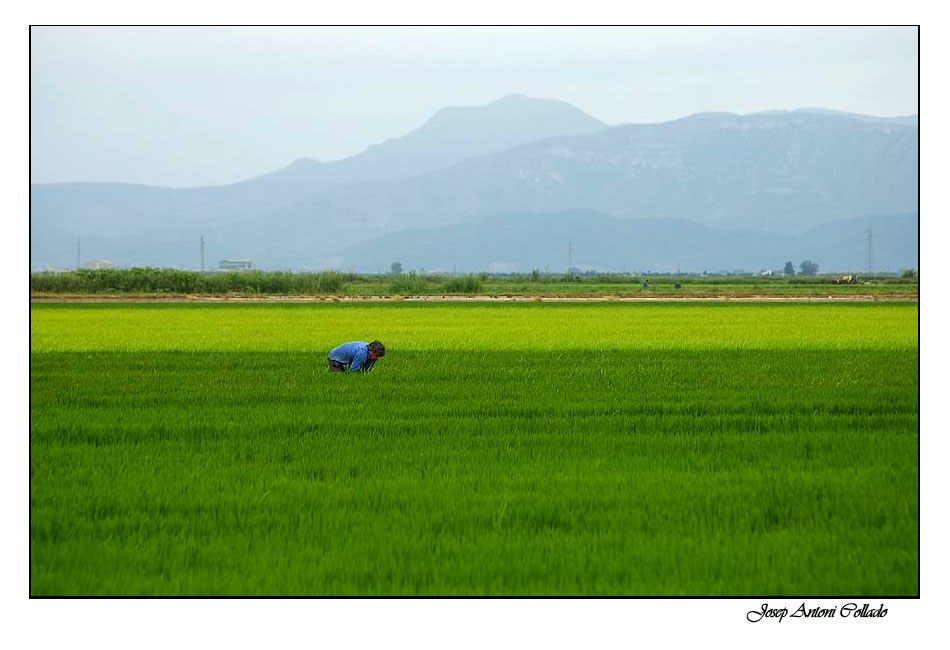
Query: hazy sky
<point>185,106</point>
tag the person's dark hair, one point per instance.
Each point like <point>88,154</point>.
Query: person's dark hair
<point>377,348</point>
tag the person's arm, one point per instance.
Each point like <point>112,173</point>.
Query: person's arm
<point>358,360</point>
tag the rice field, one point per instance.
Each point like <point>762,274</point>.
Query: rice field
<point>503,450</point>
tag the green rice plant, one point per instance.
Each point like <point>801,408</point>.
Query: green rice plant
<point>541,326</point>
<point>654,450</point>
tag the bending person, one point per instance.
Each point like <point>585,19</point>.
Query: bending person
<point>356,356</point>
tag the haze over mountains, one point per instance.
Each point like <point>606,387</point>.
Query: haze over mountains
<point>505,186</point>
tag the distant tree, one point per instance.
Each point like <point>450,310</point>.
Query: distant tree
<point>395,268</point>
<point>909,274</point>
<point>808,268</point>
<point>789,268</point>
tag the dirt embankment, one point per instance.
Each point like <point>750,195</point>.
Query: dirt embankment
<point>500,298</point>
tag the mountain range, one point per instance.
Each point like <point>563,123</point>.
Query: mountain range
<point>508,185</point>
<point>594,241</point>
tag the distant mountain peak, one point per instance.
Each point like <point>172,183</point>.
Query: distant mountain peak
<point>457,133</point>
<point>529,106</point>
<point>513,97</point>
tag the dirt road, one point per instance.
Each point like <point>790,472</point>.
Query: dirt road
<point>472,299</point>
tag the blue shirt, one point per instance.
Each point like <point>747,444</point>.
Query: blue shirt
<point>354,354</point>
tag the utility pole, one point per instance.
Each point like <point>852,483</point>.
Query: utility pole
<point>202,253</point>
<point>570,255</point>
<point>77,253</point>
<point>870,250</point>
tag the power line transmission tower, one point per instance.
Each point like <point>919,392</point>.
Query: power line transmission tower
<point>870,250</point>
<point>570,255</point>
<point>77,253</point>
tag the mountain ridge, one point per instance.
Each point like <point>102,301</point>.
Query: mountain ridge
<point>707,168</point>
<point>787,171</point>
<point>601,242</point>
<point>74,207</point>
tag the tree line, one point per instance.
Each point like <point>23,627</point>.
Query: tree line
<point>180,282</point>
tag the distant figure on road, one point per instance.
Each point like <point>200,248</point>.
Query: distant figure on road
<point>356,356</point>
